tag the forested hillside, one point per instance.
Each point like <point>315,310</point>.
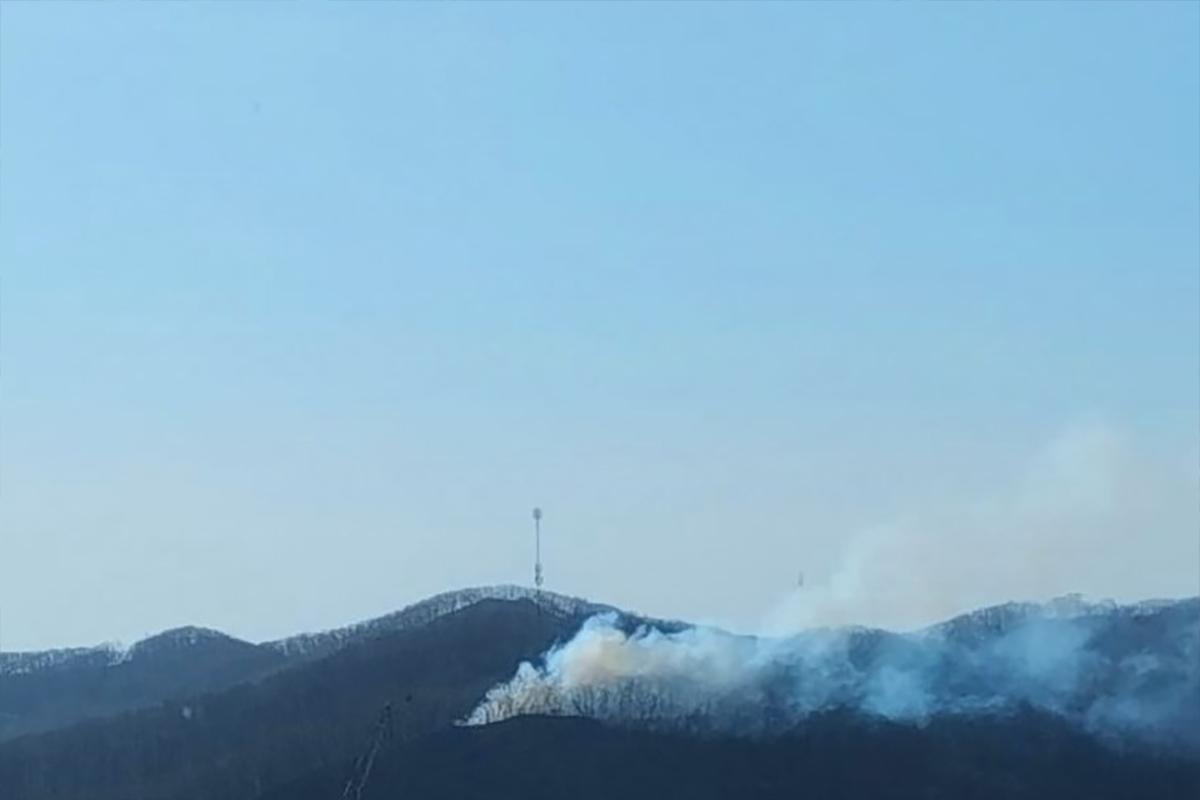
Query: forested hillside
<point>263,722</point>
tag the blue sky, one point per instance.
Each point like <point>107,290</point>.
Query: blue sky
<point>303,306</point>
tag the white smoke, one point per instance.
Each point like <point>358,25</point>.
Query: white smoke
<point>1076,518</point>
<point>608,673</point>
<point>707,679</point>
<point>1095,510</point>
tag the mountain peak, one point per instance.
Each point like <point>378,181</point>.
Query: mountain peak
<point>184,637</point>
<point>429,609</point>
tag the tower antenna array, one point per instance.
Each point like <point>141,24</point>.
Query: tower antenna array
<point>537,539</point>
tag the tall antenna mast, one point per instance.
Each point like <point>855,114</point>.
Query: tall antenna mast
<point>537,557</point>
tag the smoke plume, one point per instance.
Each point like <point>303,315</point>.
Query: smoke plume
<point>1084,513</point>
<point>1097,509</point>
<point>1097,665</point>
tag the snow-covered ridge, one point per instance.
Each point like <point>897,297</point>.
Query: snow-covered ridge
<point>109,654</point>
<point>315,645</point>
<point>426,611</point>
<point>305,645</point>
<point>179,638</point>
<point>104,655</point>
<point>1069,606</point>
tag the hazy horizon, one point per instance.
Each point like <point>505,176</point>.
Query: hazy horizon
<point>763,633</point>
<point>304,307</point>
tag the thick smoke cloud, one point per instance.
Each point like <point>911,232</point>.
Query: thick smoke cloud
<point>1097,665</point>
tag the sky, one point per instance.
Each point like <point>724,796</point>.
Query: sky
<point>304,306</point>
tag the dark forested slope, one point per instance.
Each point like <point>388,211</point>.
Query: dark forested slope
<point>237,743</point>
<point>44,691</point>
<point>833,755</point>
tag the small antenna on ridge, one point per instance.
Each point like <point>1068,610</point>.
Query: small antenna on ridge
<point>537,557</point>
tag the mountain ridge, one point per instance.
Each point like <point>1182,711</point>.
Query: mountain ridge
<point>306,643</point>
<point>51,689</point>
<point>321,641</point>
<point>306,721</point>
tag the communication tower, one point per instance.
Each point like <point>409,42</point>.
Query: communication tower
<point>537,548</point>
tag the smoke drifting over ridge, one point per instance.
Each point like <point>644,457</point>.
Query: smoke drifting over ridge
<point>1120,671</point>
<point>1074,517</point>
<point>1096,510</point>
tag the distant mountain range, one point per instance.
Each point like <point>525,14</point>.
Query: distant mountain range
<point>42,691</point>
<point>193,713</point>
<point>304,645</point>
